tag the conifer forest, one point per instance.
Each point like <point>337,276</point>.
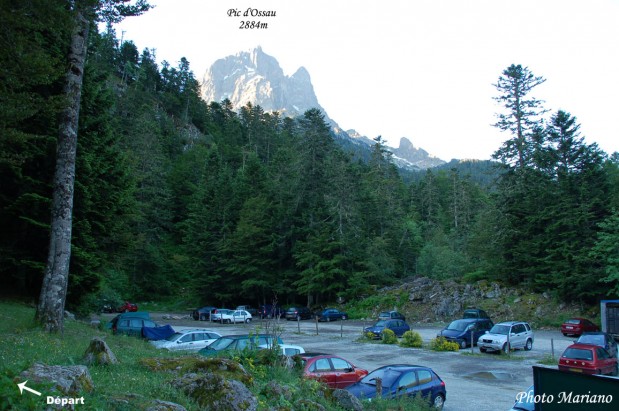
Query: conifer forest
<point>175,197</point>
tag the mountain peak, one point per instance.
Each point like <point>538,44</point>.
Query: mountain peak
<point>255,77</point>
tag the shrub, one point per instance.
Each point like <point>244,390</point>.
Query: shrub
<point>441,344</point>
<point>369,335</point>
<point>389,336</point>
<point>411,339</point>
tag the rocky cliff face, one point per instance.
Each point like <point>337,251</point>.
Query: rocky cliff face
<point>255,77</point>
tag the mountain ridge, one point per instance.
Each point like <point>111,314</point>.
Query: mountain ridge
<point>257,78</point>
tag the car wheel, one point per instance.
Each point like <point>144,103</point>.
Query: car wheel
<point>463,344</point>
<point>565,334</point>
<point>344,317</point>
<point>529,345</point>
<point>438,402</point>
<point>505,348</point>
<point>481,349</point>
<point>328,319</point>
<point>248,320</point>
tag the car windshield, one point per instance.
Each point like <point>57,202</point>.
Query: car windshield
<point>500,329</point>
<point>578,354</point>
<point>381,323</point>
<point>174,337</point>
<point>387,375</point>
<point>458,325</point>
<point>596,339</point>
<point>573,321</point>
<point>221,343</point>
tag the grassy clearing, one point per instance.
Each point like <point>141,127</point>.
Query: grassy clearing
<point>130,385</point>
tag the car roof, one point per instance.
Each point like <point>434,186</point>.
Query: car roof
<point>240,336</point>
<point>594,333</point>
<point>511,322</point>
<point>404,367</point>
<point>196,330</point>
<point>583,346</point>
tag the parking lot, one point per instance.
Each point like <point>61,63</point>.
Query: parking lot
<point>475,381</point>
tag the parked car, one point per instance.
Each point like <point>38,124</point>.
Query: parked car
<point>577,326</point>
<point>231,316</point>
<point>399,327</point>
<point>402,379</point>
<point>298,313</point>
<point>127,307</point>
<point>459,331</point>
<point>250,309</point>
<point>238,343</point>
<point>391,315</point>
<point>203,313</point>
<point>287,350</point>
<point>334,371</point>
<point>332,314</point>
<point>475,313</point>
<point>588,359</point>
<point>525,400</point>
<point>507,336</point>
<point>187,340</point>
<point>270,311</point>
<point>131,323</point>
<point>601,339</point>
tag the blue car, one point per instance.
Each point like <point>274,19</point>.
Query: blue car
<point>459,331</point>
<point>399,327</point>
<point>332,314</point>
<point>402,379</point>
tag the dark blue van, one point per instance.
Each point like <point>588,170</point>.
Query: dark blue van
<point>459,331</point>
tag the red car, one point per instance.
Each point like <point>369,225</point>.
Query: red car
<point>127,307</point>
<point>588,359</point>
<point>577,326</point>
<point>335,371</point>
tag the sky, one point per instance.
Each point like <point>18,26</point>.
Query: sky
<point>421,69</point>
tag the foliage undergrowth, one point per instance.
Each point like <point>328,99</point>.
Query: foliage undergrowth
<point>441,344</point>
<point>23,343</point>
<point>411,339</point>
<point>388,337</point>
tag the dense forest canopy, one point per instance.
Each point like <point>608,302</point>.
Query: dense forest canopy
<point>176,197</point>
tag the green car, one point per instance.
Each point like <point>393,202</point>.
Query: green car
<point>131,323</point>
<point>238,343</point>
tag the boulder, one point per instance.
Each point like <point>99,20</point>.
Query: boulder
<point>159,405</point>
<point>70,380</point>
<point>346,400</point>
<point>99,353</point>
<point>214,392</point>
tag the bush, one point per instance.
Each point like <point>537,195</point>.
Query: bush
<point>389,337</point>
<point>441,344</point>
<point>411,339</point>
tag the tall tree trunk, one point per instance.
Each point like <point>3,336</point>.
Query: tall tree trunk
<point>50,310</point>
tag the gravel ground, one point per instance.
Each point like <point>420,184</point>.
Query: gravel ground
<point>477,382</point>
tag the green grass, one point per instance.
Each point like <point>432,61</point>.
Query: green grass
<point>130,384</point>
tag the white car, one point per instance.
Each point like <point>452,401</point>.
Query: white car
<point>187,340</point>
<point>507,336</point>
<point>232,316</point>
<point>286,349</point>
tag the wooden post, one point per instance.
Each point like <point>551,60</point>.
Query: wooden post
<point>379,387</point>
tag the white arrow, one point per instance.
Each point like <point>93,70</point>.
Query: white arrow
<point>23,387</point>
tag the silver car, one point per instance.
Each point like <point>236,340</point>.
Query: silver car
<point>187,340</point>
<point>507,336</point>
